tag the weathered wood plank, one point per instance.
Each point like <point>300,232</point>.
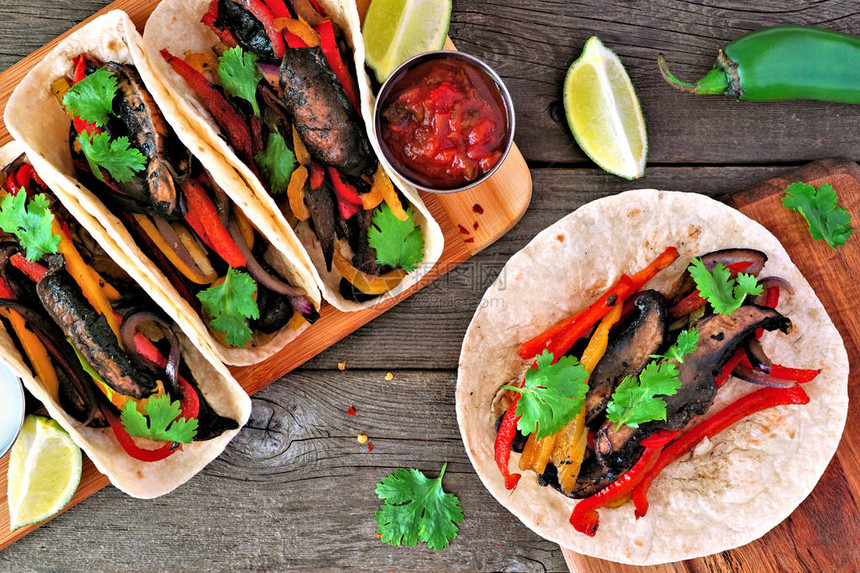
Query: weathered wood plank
<point>295,490</point>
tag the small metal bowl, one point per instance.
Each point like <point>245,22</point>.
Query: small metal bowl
<point>11,408</point>
<point>401,71</point>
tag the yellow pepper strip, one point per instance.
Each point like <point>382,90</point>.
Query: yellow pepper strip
<point>202,62</point>
<point>296,193</point>
<point>368,284</point>
<point>372,198</point>
<point>303,156</point>
<point>573,438</point>
<point>87,279</point>
<point>149,228</point>
<point>536,453</point>
<point>245,227</point>
<point>300,28</point>
<point>108,289</point>
<point>35,351</point>
<point>59,89</point>
<point>386,188</point>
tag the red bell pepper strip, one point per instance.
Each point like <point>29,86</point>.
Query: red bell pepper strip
<point>278,8</point>
<point>329,48</point>
<point>212,20</point>
<point>237,130</point>
<point>317,176</point>
<point>293,41</point>
<point>585,518</point>
<point>502,449</point>
<point>770,301</point>
<point>730,365</point>
<point>663,260</point>
<point>127,442</point>
<point>731,414</point>
<point>345,208</point>
<point>660,438</point>
<point>203,218</point>
<point>25,175</point>
<point>693,301</point>
<point>5,291</point>
<point>11,185</point>
<point>34,271</point>
<point>799,375</point>
<point>262,13</point>
<point>316,6</point>
<point>343,188</point>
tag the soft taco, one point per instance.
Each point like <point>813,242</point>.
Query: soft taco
<point>96,124</point>
<point>690,369</point>
<point>86,340</point>
<point>279,88</point>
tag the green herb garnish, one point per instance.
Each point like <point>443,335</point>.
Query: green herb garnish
<point>229,304</point>
<point>724,293</point>
<point>397,243</point>
<point>163,424</point>
<point>239,75</point>
<point>820,208</point>
<point>115,156</point>
<point>91,99</point>
<point>277,162</point>
<point>31,222</point>
<point>686,343</point>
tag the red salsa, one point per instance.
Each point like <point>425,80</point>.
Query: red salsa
<point>444,124</point>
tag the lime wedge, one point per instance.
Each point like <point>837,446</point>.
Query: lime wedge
<point>396,30</point>
<point>603,112</point>
<point>44,472</point>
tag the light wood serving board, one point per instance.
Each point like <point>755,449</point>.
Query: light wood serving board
<point>821,534</point>
<point>501,201</point>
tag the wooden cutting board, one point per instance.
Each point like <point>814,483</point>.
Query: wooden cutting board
<point>822,534</point>
<point>471,220</point>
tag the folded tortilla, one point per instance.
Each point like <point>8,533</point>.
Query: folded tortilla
<point>175,25</point>
<point>733,488</point>
<point>39,122</point>
<point>134,477</point>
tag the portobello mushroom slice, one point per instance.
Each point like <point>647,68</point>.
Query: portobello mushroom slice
<point>628,352</point>
<point>324,117</point>
<point>90,333</point>
<point>248,31</point>
<point>324,217</point>
<point>719,337</point>
<point>154,188</point>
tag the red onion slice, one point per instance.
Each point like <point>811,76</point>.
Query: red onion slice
<point>175,243</point>
<point>127,332</point>
<point>730,256</point>
<point>744,372</point>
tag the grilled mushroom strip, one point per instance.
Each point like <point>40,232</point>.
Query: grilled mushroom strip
<point>90,333</point>
<point>323,115</point>
<point>628,352</point>
<point>323,216</point>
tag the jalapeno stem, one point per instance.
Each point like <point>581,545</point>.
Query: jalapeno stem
<point>714,82</point>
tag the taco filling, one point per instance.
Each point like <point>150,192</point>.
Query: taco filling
<point>89,333</point>
<point>279,85</point>
<point>126,153</point>
<point>618,391</point>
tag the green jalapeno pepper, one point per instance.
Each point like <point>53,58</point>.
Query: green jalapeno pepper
<point>782,63</point>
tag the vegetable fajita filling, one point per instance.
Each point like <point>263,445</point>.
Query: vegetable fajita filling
<point>124,150</point>
<point>617,392</point>
<point>280,87</point>
<point>88,332</point>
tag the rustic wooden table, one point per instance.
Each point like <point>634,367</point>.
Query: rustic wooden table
<point>295,489</point>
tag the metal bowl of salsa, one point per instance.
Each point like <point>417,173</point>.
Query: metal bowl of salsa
<point>444,121</point>
<point>11,408</point>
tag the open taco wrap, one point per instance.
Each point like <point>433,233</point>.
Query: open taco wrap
<point>213,258</point>
<point>309,101</point>
<point>719,489</point>
<point>64,303</point>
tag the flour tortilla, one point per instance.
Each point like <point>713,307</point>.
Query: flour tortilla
<point>175,25</point>
<point>733,488</point>
<point>136,478</point>
<point>39,122</point>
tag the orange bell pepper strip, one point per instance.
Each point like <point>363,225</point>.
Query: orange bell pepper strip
<point>371,285</point>
<point>296,193</point>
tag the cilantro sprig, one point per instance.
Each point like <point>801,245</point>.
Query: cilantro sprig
<point>397,243</point>
<point>31,222</point>
<point>724,293</point>
<point>416,508</point>
<point>239,75</point>
<point>637,399</point>
<point>552,395</point>
<point>277,162</point>
<point>114,155</point>
<point>820,208</point>
<point>164,423</point>
<point>91,99</point>
<point>229,304</point>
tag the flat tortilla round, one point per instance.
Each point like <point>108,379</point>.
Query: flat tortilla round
<point>35,118</point>
<point>731,489</point>
<point>136,478</point>
<point>175,26</point>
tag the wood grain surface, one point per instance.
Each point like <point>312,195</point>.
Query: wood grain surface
<point>295,491</point>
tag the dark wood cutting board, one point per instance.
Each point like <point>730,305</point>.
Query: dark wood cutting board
<point>822,534</point>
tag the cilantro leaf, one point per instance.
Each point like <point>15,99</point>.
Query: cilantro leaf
<point>229,304</point>
<point>397,243</point>
<point>239,75</point>
<point>820,208</point>
<point>277,162</point>
<point>686,343</point>
<point>115,156</point>
<point>416,508</point>
<point>31,223</point>
<point>553,394</point>
<point>91,99</point>
<point>635,401</point>
<point>724,293</point>
<point>163,423</point>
